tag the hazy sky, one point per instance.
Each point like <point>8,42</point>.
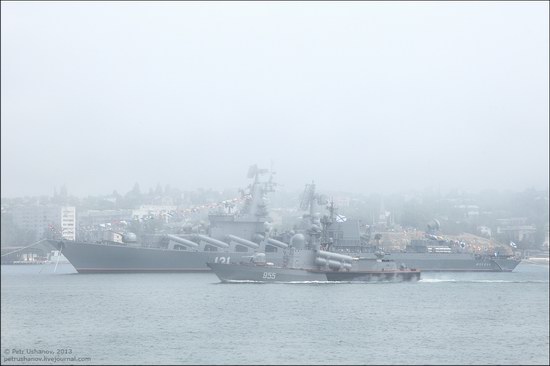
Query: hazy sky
<point>358,96</point>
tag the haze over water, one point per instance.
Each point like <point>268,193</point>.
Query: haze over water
<point>358,96</point>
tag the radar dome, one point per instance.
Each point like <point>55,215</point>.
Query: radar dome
<point>298,241</point>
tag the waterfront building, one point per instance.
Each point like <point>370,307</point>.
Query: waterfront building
<point>41,219</point>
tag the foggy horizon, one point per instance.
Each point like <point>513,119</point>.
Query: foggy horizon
<point>284,189</point>
<point>359,97</point>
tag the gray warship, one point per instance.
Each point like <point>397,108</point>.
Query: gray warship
<point>231,236</point>
<point>306,261</point>
<point>314,265</point>
<point>433,255</point>
<point>430,254</point>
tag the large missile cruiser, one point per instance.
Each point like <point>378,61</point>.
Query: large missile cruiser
<point>306,261</point>
<point>233,237</point>
<point>230,237</point>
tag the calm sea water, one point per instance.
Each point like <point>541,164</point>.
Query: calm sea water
<point>464,318</point>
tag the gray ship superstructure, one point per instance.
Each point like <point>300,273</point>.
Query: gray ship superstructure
<point>230,237</point>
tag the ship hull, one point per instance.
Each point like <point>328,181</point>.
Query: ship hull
<point>386,276</point>
<point>108,258</point>
<point>111,258</point>
<point>251,273</point>
<point>254,273</point>
<point>453,262</point>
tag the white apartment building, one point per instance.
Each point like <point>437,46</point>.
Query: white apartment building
<point>42,218</point>
<point>68,222</point>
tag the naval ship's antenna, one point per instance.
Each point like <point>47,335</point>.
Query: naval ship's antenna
<point>331,208</point>
<point>326,222</point>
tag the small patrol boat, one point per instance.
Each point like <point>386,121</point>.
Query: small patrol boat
<point>314,265</point>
